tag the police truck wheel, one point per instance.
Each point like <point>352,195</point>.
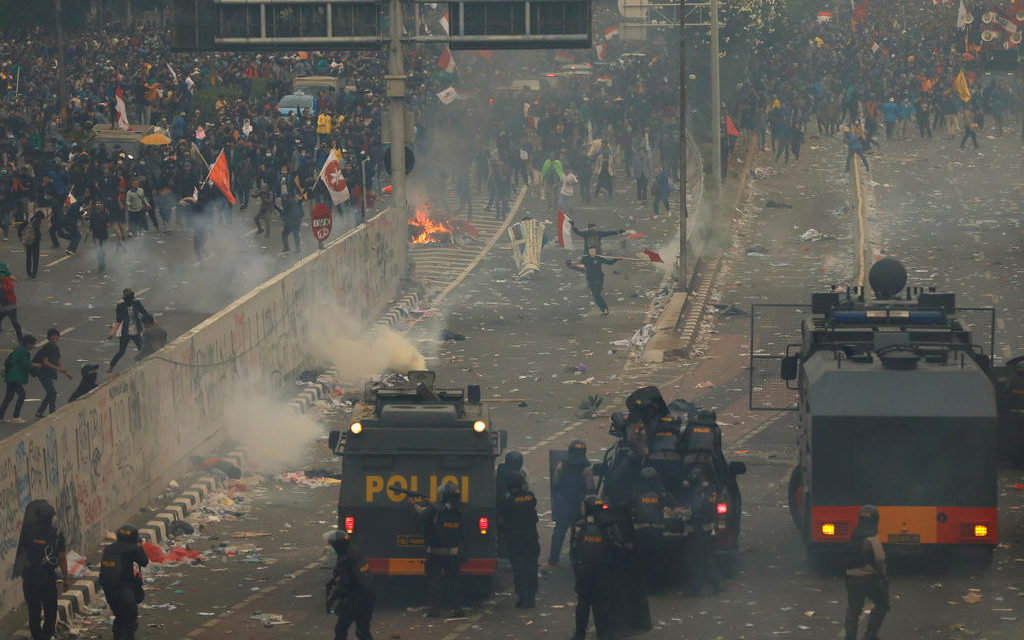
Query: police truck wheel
<point>796,496</point>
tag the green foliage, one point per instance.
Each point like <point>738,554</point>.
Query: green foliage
<point>591,405</point>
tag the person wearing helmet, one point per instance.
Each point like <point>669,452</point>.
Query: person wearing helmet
<point>700,561</point>
<point>648,510</point>
<point>591,551</point>
<point>866,576</point>
<point>350,590</point>
<point>571,480</point>
<point>441,525</point>
<point>122,585</point>
<point>517,522</point>
<point>41,549</point>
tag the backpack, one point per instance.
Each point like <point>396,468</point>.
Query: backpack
<point>29,235</point>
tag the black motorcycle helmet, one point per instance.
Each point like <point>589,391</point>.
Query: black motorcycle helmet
<point>593,505</point>
<point>127,533</point>
<point>39,515</point>
<point>705,417</point>
<point>514,460</point>
<point>515,480</point>
<point>646,403</point>
<point>448,493</point>
<point>867,522</point>
<point>577,452</point>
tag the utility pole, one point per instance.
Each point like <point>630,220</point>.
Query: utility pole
<point>716,106</point>
<point>62,97</point>
<point>683,284</point>
<point>396,103</point>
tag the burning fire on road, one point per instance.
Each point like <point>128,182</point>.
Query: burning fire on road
<point>425,230</point>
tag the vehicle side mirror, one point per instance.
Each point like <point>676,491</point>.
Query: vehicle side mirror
<point>737,468</point>
<point>333,439</point>
<point>502,439</point>
<point>789,367</point>
<point>599,469</point>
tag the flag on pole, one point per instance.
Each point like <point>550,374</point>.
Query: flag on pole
<point>730,128</point>
<point>611,32</point>
<point>173,74</point>
<point>653,256</point>
<point>444,22</point>
<point>960,84</point>
<point>447,62</point>
<point>71,199</point>
<point>961,16</point>
<point>602,50</point>
<point>220,176</point>
<point>334,179</point>
<point>564,230</point>
<point>447,96</point>
<point>121,110</point>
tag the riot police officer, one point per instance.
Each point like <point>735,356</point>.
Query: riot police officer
<point>517,521</point>
<point>592,557</point>
<point>122,586</point>
<point>571,480</point>
<point>350,590</point>
<point>665,451</point>
<point>513,464</point>
<point>866,576</point>
<point>441,524</point>
<point>701,566</point>
<point>41,549</point>
<point>648,509</point>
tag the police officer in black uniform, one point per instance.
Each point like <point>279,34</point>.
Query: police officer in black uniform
<point>122,587</point>
<point>648,510</point>
<point>700,561</point>
<point>571,480</point>
<point>517,521</point>
<point>665,452</point>
<point>442,528</point>
<point>866,576</point>
<point>513,464</point>
<point>41,549</point>
<point>593,544</point>
<point>350,590</point>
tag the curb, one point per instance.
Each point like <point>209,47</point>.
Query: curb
<point>697,304</point>
<point>85,591</point>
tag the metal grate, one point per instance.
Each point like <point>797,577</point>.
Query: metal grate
<point>981,322</point>
<point>772,328</point>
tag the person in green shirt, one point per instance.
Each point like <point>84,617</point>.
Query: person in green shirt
<point>15,371</point>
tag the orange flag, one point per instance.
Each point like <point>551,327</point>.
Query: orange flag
<point>730,128</point>
<point>220,177</point>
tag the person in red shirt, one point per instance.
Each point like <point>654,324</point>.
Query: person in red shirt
<point>8,301</point>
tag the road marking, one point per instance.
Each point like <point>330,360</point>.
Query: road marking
<point>67,331</point>
<point>860,225</point>
<point>58,261</point>
<point>764,425</point>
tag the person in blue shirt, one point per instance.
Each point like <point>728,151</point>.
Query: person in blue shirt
<point>853,146</point>
<point>890,115</point>
<point>905,112</point>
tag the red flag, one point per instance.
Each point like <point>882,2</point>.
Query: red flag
<point>602,50</point>
<point>564,230</point>
<point>447,62</point>
<point>444,22</point>
<point>653,256</point>
<point>730,128</point>
<point>219,176</point>
<point>611,32</point>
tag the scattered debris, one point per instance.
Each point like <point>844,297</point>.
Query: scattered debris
<point>811,235</point>
<point>772,204</point>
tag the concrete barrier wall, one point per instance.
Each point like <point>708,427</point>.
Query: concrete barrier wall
<point>97,460</point>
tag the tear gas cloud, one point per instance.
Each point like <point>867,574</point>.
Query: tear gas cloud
<point>275,436</point>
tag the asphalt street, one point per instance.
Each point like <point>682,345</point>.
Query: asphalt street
<point>163,271</point>
<point>543,341</point>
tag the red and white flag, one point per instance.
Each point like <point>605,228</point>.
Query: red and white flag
<point>653,255</point>
<point>444,22</point>
<point>602,50</point>
<point>447,62</point>
<point>875,47</point>
<point>447,96</point>
<point>220,176</point>
<point>71,199</point>
<point>611,32</point>
<point>334,179</point>
<point>532,121</point>
<point>121,111</point>
<point>564,230</point>
<point>824,16</point>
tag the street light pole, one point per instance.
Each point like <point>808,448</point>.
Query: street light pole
<point>396,103</point>
<point>716,105</point>
<point>683,284</point>
<point>61,91</point>
<point>362,167</point>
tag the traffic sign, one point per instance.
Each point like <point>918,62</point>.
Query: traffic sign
<point>410,159</point>
<point>322,222</point>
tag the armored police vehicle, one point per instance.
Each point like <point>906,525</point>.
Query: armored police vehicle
<point>407,441</point>
<point>896,409</point>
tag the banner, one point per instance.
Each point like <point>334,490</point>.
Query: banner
<point>527,240</point>
<point>447,96</point>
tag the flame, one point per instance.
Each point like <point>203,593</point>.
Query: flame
<point>429,228</point>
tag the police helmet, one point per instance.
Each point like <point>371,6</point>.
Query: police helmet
<point>705,416</point>
<point>39,513</point>
<point>577,451</point>
<point>646,402</point>
<point>867,522</point>
<point>127,533</point>
<point>649,474</point>
<point>593,505</point>
<point>339,541</point>
<point>868,512</point>
<point>515,479</point>
<point>448,493</point>
<point>514,460</point>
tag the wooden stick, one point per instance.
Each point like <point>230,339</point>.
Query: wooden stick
<point>504,400</point>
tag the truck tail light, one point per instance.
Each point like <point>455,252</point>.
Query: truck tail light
<point>722,508</point>
<point>980,530</point>
<point>350,524</point>
<point>483,525</point>
<point>828,529</point>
